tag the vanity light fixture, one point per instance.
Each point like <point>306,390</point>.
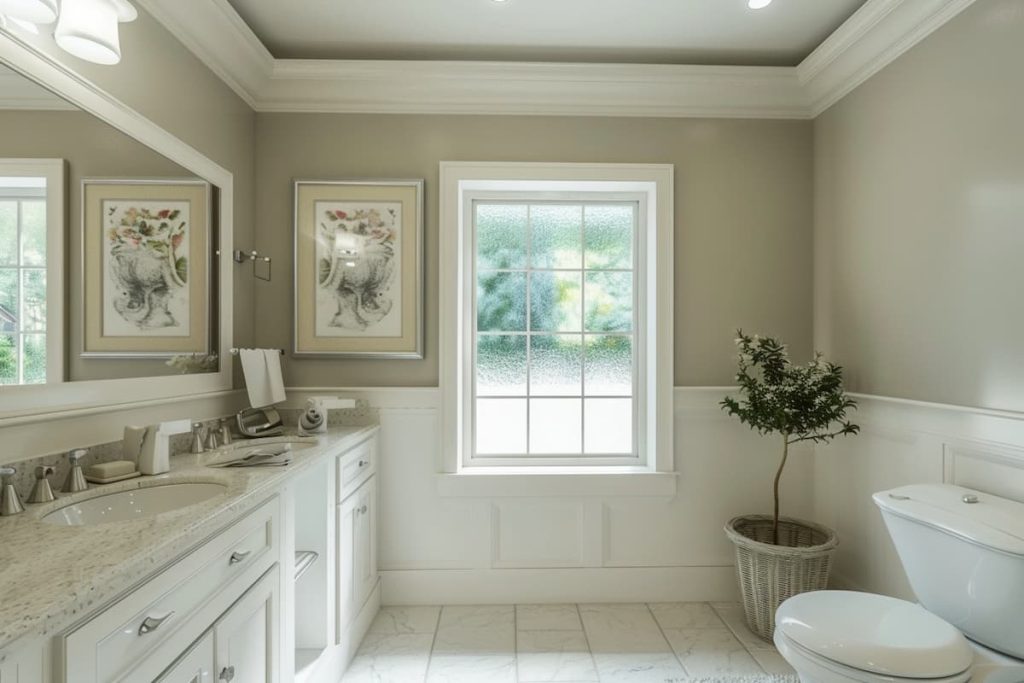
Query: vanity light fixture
<point>88,28</point>
<point>758,4</point>
<point>34,11</point>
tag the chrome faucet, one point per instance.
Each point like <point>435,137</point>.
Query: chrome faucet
<point>10,503</point>
<point>197,438</point>
<point>225,431</point>
<point>41,492</point>
<point>75,481</point>
<point>211,437</point>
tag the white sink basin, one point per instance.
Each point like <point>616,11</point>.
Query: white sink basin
<point>125,505</point>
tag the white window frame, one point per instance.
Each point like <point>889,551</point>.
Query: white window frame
<point>652,186</point>
<point>52,170</point>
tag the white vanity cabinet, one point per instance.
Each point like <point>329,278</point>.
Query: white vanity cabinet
<point>195,666</point>
<point>247,637</point>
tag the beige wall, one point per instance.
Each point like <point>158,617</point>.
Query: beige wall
<point>92,149</point>
<point>919,196</point>
<point>919,231</point>
<point>743,218</point>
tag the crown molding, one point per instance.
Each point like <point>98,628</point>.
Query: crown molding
<point>22,93</point>
<point>876,35</point>
<point>879,32</point>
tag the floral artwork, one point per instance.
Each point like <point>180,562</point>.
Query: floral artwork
<point>358,273</point>
<point>146,268</point>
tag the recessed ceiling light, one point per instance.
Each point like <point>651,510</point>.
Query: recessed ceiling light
<point>758,4</point>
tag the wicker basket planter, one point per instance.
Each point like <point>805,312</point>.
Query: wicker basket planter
<point>769,574</point>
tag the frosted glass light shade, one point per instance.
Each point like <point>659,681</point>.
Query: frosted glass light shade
<point>36,11</point>
<point>88,30</point>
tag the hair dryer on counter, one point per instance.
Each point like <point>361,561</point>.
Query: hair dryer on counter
<point>314,419</point>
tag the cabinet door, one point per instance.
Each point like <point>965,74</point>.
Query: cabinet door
<point>195,666</point>
<point>365,554</point>
<point>348,518</point>
<point>247,638</point>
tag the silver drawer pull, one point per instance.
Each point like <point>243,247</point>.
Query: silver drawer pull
<point>150,624</point>
<point>227,674</point>
<point>237,557</point>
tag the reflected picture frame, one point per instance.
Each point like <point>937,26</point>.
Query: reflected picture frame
<point>146,267</point>
<point>358,275</point>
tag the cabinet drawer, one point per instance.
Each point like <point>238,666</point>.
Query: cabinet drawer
<point>355,466</point>
<point>122,636</point>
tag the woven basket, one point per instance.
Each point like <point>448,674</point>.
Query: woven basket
<point>770,574</point>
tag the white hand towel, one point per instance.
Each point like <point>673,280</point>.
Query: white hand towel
<point>262,370</point>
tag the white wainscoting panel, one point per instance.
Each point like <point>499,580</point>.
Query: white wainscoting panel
<point>906,442</point>
<point>552,548</point>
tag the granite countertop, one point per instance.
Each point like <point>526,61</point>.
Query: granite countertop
<point>52,575</point>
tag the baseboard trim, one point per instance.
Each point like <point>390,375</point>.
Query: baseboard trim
<point>585,584</point>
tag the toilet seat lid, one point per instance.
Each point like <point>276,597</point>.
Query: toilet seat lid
<point>874,633</point>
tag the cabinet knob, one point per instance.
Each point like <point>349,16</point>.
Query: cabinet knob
<point>150,624</point>
<point>237,557</point>
<point>363,463</point>
<point>227,674</point>
<point>362,510</point>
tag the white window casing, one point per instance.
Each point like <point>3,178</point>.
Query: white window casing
<point>649,187</point>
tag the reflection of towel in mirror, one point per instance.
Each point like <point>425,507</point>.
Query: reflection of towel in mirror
<point>262,370</point>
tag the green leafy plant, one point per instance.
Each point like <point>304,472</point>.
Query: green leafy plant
<point>796,402</point>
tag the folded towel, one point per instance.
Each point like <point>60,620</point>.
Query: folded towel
<point>262,370</point>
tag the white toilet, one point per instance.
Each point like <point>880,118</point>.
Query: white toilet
<point>963,552</point>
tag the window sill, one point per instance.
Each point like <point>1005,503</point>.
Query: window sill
<point>496,482</point>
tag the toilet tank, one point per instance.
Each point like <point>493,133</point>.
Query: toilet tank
<point>963,552</point>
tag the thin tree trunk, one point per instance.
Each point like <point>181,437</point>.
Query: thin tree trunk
<point>778,476</point>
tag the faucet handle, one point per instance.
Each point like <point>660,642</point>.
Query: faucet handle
<point>10,503</point>
<point>75,480</point>
<point>41,492</point>
<point>76,454</point>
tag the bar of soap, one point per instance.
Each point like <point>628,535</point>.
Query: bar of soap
<point>107,472</point>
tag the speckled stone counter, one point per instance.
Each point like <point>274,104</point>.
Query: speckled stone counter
<point>52,575</point>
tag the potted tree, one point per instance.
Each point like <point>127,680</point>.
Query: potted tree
<point>778,557</point>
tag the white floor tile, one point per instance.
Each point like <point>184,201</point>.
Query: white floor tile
<point>475,631</point>
<point>638,668</point>
<point>773,662</point>
<point>391,658</point>
<point>413,619</point>
<point>711,652</point>
<point>472,669</point>
<point>479,616</point>
<point>548,618</point>
<point>732,615</point>
<point>554,656</point>
<point>622,629</point>
<point>686,615</point>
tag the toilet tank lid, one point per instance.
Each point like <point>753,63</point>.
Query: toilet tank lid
<point>977,517</point>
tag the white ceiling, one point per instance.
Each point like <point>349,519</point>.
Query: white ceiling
<point>722,32</point>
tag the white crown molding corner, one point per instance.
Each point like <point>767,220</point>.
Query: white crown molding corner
<point>879,32</point>
<point>876,35</point>
<point>215,33</point>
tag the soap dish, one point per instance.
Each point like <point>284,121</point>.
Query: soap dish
<point>109,472</point>
<point>111,480</point>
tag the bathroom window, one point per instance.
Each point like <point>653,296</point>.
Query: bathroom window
<point>555,370</point>
<point>32,228</point>
<point>556,318</point>
<point>23,259</point>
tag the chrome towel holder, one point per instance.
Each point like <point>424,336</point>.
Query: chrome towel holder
<point>253,256</point>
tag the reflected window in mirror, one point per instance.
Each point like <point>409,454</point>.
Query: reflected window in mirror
<point>31,243</point>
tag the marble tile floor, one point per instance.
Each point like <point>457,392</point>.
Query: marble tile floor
<point>587,643</point>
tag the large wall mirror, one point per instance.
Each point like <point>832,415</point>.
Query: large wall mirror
<point>110,263</point>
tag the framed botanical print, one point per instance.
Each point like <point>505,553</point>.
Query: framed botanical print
<point>145,267</point>
<point>359,268</point>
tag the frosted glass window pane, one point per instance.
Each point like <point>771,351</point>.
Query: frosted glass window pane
<point>556,233</point>
<point>34,294</point>
<point>501,365</point>
<point>555,365</point>
<point>500,426</point>
<point>500,236</point>
<point>609,426</point>
<point>9,233</point>
<point>9,298</point>
<point>35,358</point>
<point>609,302</point>
<point>33,233</point>
<point>555,426</point>
<point>609,365</point>
<point>555,302</point>
<point>608,235</point>
<point>8,359</point>
<point>501,302</point>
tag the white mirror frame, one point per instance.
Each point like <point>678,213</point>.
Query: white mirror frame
<point>29,403</point>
